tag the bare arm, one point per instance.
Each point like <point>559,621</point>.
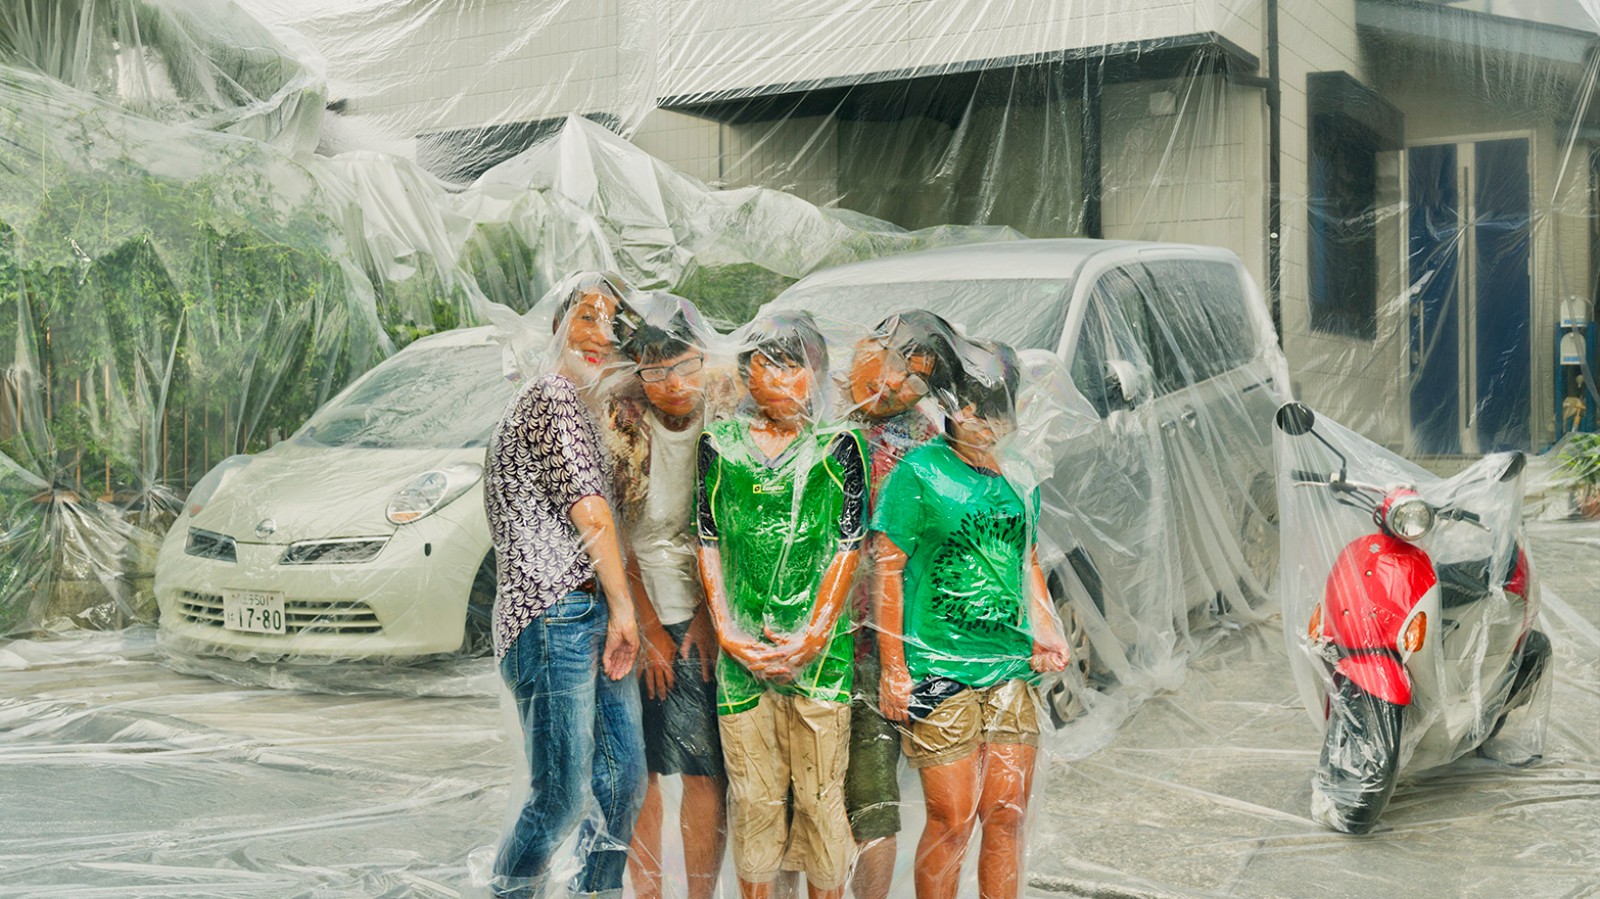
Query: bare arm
<point>1050,651</point>
<point>832,595</point>
<point>888,600</point>
<point>758,658</point>
<point>847,453</point>
<point>657,644</point>
<point>597,531</point>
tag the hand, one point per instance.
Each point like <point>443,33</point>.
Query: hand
<point>622,645</point>
<point>659,651</point>
<point>1050,654</point>
<point>799,648</point>
<point>769,663</point>
<point>701,639</point>
<point>894,692</point>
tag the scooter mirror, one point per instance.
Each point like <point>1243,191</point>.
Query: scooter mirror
<point>1514,466</point>
<point>1295,419</point>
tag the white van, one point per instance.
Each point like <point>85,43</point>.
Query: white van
<point>1165,506</point>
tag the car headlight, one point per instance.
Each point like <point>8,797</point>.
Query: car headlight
<point>210,545</point>
<point>432,491</point>
<point>1409,519</point>
<point>207,486</point>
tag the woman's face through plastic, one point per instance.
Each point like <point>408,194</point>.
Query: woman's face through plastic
<point>883,382</point>
<point>590,333</point>
<point>781,388</point>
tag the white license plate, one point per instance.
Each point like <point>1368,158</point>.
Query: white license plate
<point>252,611</point>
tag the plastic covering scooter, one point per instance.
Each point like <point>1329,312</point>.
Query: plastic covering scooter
<point>1424,640</point>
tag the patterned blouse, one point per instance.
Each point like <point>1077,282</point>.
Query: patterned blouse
<point>543,457</point>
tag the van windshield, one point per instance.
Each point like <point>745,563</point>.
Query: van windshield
<point>441,398</point>
<point>1025,313</point>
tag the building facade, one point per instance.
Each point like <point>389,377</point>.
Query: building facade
<point>1411,182</point>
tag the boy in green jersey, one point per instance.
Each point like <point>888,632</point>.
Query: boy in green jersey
<point>961,639</point>
<point>781,513</point>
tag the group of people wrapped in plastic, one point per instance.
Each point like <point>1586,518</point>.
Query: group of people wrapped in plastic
<point>713,562</point>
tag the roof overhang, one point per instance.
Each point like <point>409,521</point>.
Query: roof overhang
<point>1339,102</point>
<point>946,91</point>
<point>1438,24</point>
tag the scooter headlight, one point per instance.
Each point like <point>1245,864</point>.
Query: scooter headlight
<point>1409,519</point>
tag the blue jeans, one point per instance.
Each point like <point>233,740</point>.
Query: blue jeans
<point>585,747</point>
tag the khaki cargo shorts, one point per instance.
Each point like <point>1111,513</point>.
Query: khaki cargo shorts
<point>789,747</point>
<point>1007,712</point>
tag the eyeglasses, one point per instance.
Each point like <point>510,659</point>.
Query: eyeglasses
<point>658,373</point>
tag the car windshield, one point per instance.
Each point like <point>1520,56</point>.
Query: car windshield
<point>439,398</point>
<point>1025,313</point>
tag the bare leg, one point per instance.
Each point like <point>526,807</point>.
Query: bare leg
<point>1003,807</point>
<point>874,868</point>
<point>703,821</point>
<point>952,795</point>
<point>748,890</point>
<point>786,885</point>
<point>644,862</point>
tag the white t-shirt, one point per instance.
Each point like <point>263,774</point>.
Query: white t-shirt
<point>663,537</point>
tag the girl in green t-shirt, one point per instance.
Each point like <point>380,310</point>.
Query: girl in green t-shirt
<point>960,637</point>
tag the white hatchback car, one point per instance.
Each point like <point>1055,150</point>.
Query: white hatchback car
<point>363,535</point>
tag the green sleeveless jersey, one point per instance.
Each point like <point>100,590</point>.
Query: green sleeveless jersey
<point>778,524</point>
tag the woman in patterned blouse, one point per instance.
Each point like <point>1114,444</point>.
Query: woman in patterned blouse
<point>564,629</point>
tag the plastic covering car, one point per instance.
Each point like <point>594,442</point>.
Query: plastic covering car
<point>1163,503</point>
<point>362,535</point>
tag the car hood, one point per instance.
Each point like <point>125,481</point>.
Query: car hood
<point>320,492</point>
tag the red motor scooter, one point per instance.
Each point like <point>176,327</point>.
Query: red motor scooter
<point>1424,638</point>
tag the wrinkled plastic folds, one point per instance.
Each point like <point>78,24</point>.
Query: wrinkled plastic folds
<point>271,272</point>
<point>1411,612</point>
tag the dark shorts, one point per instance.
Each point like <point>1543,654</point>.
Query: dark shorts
<point>872,782</point>
<point>680,732</point>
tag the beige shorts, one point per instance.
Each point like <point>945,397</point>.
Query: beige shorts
<point>1007,712</point>
<point>789,747</point>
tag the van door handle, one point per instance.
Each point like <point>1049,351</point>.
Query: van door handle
<point>1169,425</point>
<point>1190,418</point>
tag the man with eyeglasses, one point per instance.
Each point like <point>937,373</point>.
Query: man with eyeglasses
<point>654,442</point>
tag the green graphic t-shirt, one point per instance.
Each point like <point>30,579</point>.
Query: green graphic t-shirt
<point>778,523</point>
<point>967,537</point>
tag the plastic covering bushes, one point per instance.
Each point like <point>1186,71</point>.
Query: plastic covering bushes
<point>271,272</point>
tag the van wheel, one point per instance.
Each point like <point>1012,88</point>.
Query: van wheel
<point>1064,699</point>
<point>1258,541</point>
<point>478,635</point>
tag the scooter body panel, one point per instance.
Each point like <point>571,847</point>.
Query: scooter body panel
<point>1375,584</point>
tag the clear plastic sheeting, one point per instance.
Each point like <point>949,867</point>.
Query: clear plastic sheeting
<point>188,281</point>
<point>1411,609</point>
<point>1207,790</point>
<point>203,789</point>
<point>1151,447</point>
<point>273,271</point>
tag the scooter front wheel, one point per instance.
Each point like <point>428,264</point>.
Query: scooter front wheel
<point>1360,760</point>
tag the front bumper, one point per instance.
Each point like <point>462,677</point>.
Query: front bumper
<point>409,601</point>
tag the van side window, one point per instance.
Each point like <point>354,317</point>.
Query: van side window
<point>1201,324</point>
<point>1113,330</point>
